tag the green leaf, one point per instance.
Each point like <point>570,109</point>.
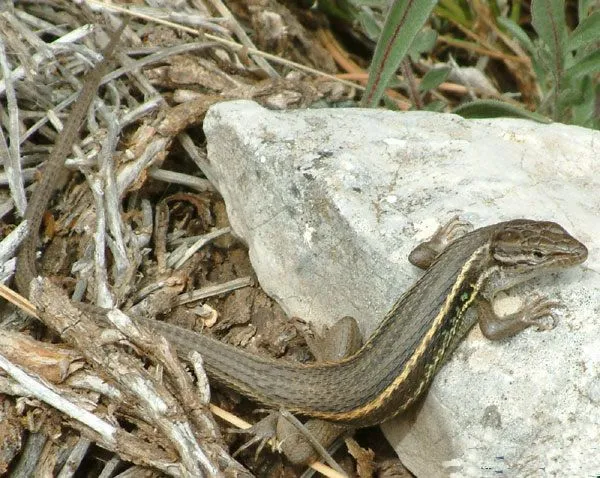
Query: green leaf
<point>515,11</point>
<point>586,65</point>
<point>369,24</point>
<point>455,11</point>
<point>390,104</point>
<point>494,10</point>
<point>517,32</point>
<point>433,78</point>
<point>423,43</point>
<point>405,18</point>
<point>437,106</point>
<point>587,31</point>
<point>583,7</point>
<point>495,109</point>
<point>397,82</point>
<point>342,10</point>
<point>570,96</point>
<point>584,113</point>
<point>548,19</point>
<point>376,4</point>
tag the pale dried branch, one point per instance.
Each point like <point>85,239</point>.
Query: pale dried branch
<point>155,404</point>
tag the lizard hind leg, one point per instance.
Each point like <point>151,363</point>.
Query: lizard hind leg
<point>340,341</point>
<point>262,432</point>
<point>423,255</point>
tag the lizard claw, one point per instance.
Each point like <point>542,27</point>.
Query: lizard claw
<point>263,431</point>
<point>541,307</point>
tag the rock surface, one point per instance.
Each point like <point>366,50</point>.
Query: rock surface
<point>330,202</point>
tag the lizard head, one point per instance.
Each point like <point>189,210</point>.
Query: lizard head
<point>536,245</point>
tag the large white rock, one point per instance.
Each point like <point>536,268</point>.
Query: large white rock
<point>330,202</point>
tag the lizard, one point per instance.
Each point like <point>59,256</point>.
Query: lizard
<point>398,362</point>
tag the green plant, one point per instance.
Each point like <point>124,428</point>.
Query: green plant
<point>404,20</point>
<point>566,63</point>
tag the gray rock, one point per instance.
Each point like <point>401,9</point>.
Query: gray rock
<point>330,202</point>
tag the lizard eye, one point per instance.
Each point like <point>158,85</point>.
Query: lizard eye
<point>538,254</point>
